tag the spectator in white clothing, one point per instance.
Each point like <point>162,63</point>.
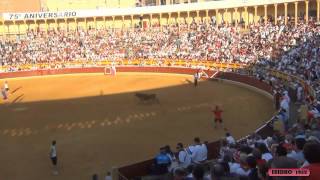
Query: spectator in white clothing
<point>108,176</point>
<point>243,170</point>
<point>230,139</point>
<point>266,155</point>
<point>199,153</point>
<point>184,159</point>
<point>284,104</point>
<point>297,153</point>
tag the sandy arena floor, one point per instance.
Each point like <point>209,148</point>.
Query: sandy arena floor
<point>98,123</point>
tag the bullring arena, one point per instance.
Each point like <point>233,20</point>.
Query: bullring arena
<point>93,89</point>
<point>96,117</point>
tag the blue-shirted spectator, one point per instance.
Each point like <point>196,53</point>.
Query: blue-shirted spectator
<point>162,162</point>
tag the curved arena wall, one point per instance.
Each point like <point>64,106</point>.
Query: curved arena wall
<point>97,70</point>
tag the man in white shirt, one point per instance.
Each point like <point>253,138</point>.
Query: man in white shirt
<point>184,159</point>
<point>53,157</point>
<point>284,104</point>
<point>4,93</point>
<point>108,176</point>
<point>297,154</point>
<point>266,155</point>
<point>199,153</point>
<point>243,170</point>
<point>230,139</point>
<point>6,86</point>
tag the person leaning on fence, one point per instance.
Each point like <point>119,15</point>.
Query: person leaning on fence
<point>171,155</point>
<point>199,153</point>
<point>230,139</point>
<point>184,159</point>
<point>108,176</point>
<point>161,163</point>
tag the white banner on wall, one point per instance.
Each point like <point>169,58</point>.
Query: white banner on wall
<point>39,15</point>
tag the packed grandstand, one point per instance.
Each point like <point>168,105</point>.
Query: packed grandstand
<point>282,51</point>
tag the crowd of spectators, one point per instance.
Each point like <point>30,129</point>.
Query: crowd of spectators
<point>167,161</point>
<point>201,41</point>
<point>294,145</point>
<point>295,142</point>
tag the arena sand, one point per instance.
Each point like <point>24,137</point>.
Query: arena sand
<point>98,123</point>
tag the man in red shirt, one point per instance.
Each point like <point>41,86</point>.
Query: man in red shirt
<point>217,116</point>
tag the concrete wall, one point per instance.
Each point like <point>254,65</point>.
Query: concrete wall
<point>55,5</point>
<point>19,6</point>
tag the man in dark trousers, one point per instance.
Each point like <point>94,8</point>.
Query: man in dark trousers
<point>54,157</point>
<point>196,77</point>
<point>277,96</point>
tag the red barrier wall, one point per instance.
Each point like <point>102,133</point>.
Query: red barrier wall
<point>246,80</point>
<point>49,72</point>
<point>99,70</point>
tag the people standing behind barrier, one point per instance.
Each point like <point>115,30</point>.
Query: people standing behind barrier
<point>108,176</point>
<point>184,159</point>
<point>171,155</point>
<point>297,152</point>
<point>243,170</point>
<point>230,140</point>
<point>199,152</point>
<point>266,155</point>
<point>162,163</point>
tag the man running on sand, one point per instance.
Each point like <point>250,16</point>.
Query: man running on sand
<point>217,112</point>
